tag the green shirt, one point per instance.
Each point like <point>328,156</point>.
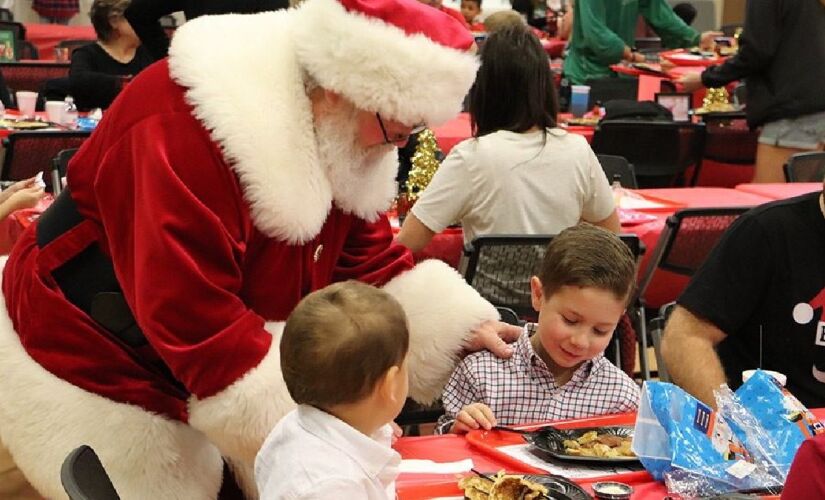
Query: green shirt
<point>603,28</point>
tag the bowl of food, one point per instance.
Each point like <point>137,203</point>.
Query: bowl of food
<point>612,490</point>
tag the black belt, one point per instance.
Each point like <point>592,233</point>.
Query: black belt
<point>88,280</point>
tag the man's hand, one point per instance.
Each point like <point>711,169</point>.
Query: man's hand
<point>706,42</point>
<point>473,416</point>
<point>691,81</point>
<point>494,336</point>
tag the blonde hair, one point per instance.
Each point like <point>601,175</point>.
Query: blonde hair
<point>102,11</point>
<point>504,19</point>
<point>340,341</point>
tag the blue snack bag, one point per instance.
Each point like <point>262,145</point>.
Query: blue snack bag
<point>674,430</point>
<point>783,421</point>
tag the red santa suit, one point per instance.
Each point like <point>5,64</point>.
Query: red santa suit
<point>204,188</point>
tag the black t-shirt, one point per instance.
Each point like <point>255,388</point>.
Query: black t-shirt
<point>93,75</point>
<point>768,271</point>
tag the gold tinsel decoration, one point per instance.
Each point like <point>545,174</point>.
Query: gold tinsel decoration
<point>424,165</point>
<point>717,100</point>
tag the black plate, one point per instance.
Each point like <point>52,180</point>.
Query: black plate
<point>557,484</point>
<point>550,440</point>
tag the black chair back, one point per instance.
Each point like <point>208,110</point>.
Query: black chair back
<point>6,15</point>
<point>805,167</point>
<point>616,167</point>
<point>500,266</point>
<point>660,152</point>
<point>57,170</point>
<point>30,152</point>
<point>84,477</point>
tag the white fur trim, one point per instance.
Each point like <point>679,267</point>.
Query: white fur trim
<point>441,309</point>
<point>248,90</point>
<point>380,68</point>
<point>43,418</point>
<point>239,418</point>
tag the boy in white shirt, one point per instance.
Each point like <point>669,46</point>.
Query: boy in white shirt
<point>343,358</point>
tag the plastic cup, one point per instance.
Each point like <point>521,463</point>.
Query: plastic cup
<point>26,102</point>
<point>54,111</point>
<point>579,97</point>
<point>780,377</point>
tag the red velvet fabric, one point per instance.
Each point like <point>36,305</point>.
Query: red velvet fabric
<point>199,277</point>
<point>807,476</point>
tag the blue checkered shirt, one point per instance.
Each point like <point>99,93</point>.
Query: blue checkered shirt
<point>521,389</point>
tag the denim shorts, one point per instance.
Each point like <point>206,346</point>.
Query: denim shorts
<point>802,132</point>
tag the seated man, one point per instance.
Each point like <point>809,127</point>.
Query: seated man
<point>758,301</point>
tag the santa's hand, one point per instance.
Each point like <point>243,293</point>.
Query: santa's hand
<point>494,336</point>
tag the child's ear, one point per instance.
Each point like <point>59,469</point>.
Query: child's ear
<point>389,383</point>
<point>536,293</point>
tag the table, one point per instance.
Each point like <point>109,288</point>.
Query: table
<point>451,448</point>
<point>780,191</point>
<point>46,36</point>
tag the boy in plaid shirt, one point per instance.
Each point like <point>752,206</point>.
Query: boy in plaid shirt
<point>557,370</point>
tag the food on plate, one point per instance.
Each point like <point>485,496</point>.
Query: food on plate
<point>593,444</point>
<point>23,124</point>
<point>501,487</point>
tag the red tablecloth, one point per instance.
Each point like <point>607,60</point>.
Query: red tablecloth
<point>46,36</point>
<point>781,191</point>
<point>452,448</point>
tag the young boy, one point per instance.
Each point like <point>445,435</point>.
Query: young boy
<point>343,358</point>
<point>557,370</point>
<point>471,10</point>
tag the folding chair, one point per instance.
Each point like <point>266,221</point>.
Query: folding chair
<point>618,167</point>
<point>660,152</point>
<point>31,75</point>
<point>805,167</point>
<point>84,477</point>
<point>499,267</point>
<point>30,152</point>
<point>657,330</point>
<point>686,241</point>
<point>57,170</point>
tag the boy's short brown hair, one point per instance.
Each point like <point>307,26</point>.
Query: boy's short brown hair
<point>339,341</point>
<point>588,256</point>
<point>503,19</point>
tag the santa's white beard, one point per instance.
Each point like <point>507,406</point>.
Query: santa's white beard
<point>362,179</point>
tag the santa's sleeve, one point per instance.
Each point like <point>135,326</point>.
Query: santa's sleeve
<point>441,308</point>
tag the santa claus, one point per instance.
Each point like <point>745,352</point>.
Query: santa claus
<point>141,314</point>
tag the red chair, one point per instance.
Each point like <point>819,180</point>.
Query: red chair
<point>31,152</point>
<point>31,75</point>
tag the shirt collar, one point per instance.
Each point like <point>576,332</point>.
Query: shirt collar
<point>538,368</point>
<point>372,453</point>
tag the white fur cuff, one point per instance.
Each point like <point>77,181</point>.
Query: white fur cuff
<point>239,418</point>
<point>442,309</point>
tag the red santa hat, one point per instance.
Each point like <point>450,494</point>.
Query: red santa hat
<point>404,59</point>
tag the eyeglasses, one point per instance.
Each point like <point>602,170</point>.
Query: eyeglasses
<point>417,129</point>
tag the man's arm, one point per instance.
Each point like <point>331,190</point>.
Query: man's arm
<point>688,349</point>
<point>611,223</point>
